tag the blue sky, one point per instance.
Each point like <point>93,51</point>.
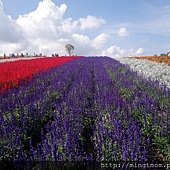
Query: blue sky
<point>112,28</point>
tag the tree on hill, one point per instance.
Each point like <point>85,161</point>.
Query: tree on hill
<point>69,48</point>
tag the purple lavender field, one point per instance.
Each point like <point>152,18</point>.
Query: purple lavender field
<point>84,112</point>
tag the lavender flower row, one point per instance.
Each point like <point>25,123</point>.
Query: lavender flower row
<point>89,109</point>
<point>147,103</point>
<point>65,139</point>
<point>24,111</point>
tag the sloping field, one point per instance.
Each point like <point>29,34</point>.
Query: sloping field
<point>85,113</point>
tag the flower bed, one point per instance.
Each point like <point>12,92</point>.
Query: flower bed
<point>87,110</point>
<point>11,73</point>
<point>159,59</point>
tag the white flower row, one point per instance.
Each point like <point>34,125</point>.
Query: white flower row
<point>158,71</point>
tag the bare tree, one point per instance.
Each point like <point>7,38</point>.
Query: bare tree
<point>69,48</point>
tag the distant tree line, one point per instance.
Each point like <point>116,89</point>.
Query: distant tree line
<point>69,49</point>
<point>164,54</point>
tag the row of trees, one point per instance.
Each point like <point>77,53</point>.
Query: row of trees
<point>165,54</point>
<point>69,49</point>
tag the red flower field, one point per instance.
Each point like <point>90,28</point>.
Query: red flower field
<point>11,73</point>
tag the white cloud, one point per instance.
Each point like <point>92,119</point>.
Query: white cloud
<point>91,22</point>
<point>68,26</point>
<point>87,46</point>
<point>117,52</point>
<point>83,45</point>
<point>81,39</point>
<point>123,32</point>
<point>10,31</point>
<point>41,31</point>
<point>13,47</point>
<point>114,51</point>
<point>100,40</point>
<point>45,22</point>
<point>140,51</point>
<point>47,9</point>
<point>46,31</point>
